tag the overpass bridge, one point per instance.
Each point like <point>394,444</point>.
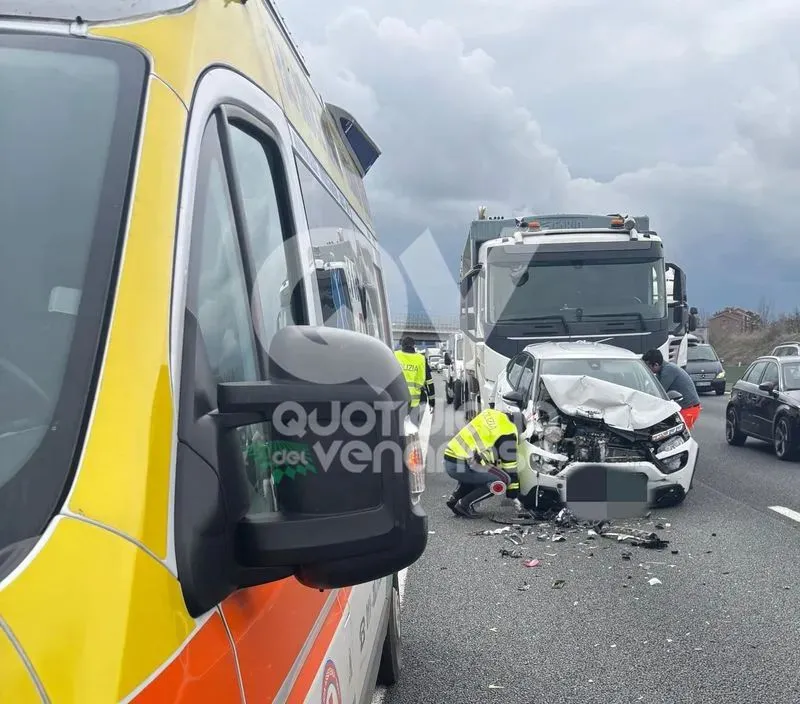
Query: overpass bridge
<point>427,332</point>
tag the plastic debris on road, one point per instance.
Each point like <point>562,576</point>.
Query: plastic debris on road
<point>496,531</point>
<point>532,563</point>
<point>637,538</point>
<point>559,584</point>
<point>514,554</point>
<point>654,581</point>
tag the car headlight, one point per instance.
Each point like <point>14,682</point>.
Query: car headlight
<point>721,375</point>
<point>676,462</point>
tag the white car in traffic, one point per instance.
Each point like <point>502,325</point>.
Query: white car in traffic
<point>587,403</point>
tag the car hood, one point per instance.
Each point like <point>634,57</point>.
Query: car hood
<point>792,397</point>
<point>618,406</point>
<point>698,367</point>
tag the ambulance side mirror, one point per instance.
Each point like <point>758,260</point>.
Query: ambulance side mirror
<point>337,461</point>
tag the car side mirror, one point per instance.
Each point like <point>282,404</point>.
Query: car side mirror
<point>767,386</point>
<point>514,398</point>
<point>342,461</point>
<point>676,396</point>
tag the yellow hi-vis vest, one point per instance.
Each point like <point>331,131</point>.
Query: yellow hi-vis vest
<point>413,364</point>
<point>480,435</point>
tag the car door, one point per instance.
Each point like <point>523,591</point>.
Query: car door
<point>765,404</point>
<point>746,397</point>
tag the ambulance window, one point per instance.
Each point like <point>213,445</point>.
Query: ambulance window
<point>221,303</point>
<point>223,310</point>
<point>345,262</point>
<point>277,296</point>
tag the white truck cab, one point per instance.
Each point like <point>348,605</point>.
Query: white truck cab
<point>565,277</point>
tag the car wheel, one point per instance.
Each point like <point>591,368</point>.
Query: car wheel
<point>733,435</point>
<point>783,440</point>
<point>458,394</point>
<point>719,392</point>
<point>391,661</point>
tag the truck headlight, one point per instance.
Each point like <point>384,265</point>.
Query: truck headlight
<point>721,375</point>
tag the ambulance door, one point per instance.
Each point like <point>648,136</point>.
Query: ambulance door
<point>281,632</point>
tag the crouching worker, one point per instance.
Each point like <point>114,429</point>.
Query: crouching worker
<point>482,452</point>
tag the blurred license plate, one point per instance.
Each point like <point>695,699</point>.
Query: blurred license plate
<point>599,492</point>
<point>703,383</point>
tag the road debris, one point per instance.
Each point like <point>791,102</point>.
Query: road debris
<point>558,539</point>
<point>654,581</point>
<point>496,531</point>
<point>514,554</point>
<point>523,587</point>
<point>532,563</point>
<point>637,538</point>
<point>559,584</point>
<point>512,538</point>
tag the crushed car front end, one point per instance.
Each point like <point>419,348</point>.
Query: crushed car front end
<point>588,422</point>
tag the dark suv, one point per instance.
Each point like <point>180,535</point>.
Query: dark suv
<point>765,404</point>
<point>705,368</point>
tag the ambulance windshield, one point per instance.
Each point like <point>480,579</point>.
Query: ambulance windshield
<point>67,135</point>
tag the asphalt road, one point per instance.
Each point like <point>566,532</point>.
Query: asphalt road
<point>722,626</point>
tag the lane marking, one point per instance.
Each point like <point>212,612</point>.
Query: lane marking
<point>794,515</point>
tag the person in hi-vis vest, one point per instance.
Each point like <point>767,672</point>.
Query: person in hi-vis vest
<point>417,374</point>
<point>482,452</point>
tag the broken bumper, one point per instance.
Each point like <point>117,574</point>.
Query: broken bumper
<point>662,486</point>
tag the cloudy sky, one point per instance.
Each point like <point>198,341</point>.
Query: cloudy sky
<point>686,110</point>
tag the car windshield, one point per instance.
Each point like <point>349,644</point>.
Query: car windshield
<point>575,290</point>
<point>68,124</point>
<point>701,353</point>
<point>632,373</point>
<point>791,376</point>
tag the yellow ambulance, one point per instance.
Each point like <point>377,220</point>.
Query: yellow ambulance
<point>183,515</point>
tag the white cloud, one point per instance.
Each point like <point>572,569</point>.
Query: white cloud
<point>687,111</point>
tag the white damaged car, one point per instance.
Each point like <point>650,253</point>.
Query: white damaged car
<point>588,403</point>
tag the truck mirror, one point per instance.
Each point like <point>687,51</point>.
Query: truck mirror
<point>341,463</point>
<point>692,325</point>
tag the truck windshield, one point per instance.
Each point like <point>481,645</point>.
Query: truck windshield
<point>701,353</point>
<point>524,290</point>
<point>68,125</point>
<point>632,373</point>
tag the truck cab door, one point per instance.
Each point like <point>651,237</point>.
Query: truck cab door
<point>676,298</point>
